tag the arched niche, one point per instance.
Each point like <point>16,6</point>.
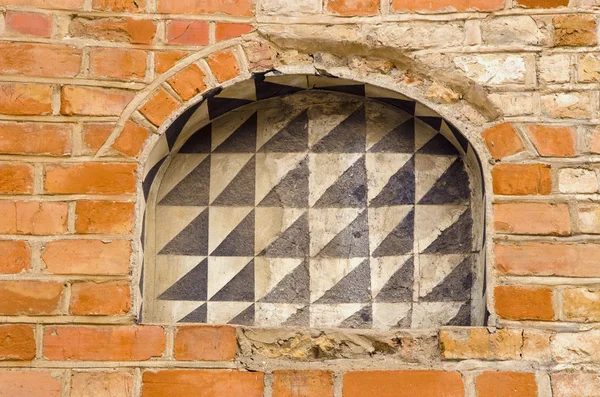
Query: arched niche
<point>310,201</point>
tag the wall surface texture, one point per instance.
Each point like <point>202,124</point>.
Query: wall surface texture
<point>88,88</point>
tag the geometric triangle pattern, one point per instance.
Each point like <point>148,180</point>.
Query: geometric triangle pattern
<point>332,206</point>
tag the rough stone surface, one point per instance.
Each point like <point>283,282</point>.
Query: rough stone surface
<point>577,180</point>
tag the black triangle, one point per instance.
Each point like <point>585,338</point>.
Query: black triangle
<point>293,243</point>
<point>200,142</point>
<point>292,138</point>
<point>463,317</point>
<point>457,239</point>
<point>452,187</point>
<point>351,242</point>
<point>193,190</point>
<point>192,240</point>
<point>266,89</point>
<point>404,322</point>
<point>147,184</point>
<point>198,315</point>
<point>400,189</point>
<point>240,191</point>
<point>399,288</point>
<point>240,288</point>
<point>299,319</point>
<point>246,317</point>
<point>407,106</point>
<point>439,145</point>
<point>456,286</point>
<point>355,287</point>
<point>350,189</point>
<point>293,288</point>
<point>242,140</point>
<point>219,106</point>
<point>400,241</point>
<point>191,287</point>
<point>240,242</point>
<point>361,319</point>
<point>353,89</point>
<point>434,122</point>
<point>347,137</point>
<point>291,191</point>
<point>172,133</point>
<point>400,140</point>
<point>463,142</point>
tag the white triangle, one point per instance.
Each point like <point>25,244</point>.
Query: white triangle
<point>428,169</point>
<point>449,135</point>
<point>380,92</point>
<point>383,220</point>
<point>381,120</point>
<point>221,270</point>
<point>388,315</point>
<point>271,168</point>
<point>223,127</point>
<point>195,123</point>
<point>434,314</point>
<point>423,133</point>
<point>424,111</point>
<point>324,81</point>
<point>329,316</point>
<point>327,223</point>
<point>328,272</point>
<point>184,310</point>
<point>275,314</point>
<point>271,222</point>
<point>222,221</point>
<point>181,165</point>
<point>432,220</point>
<point>272,120</point>
<point>223,168</point>
<point>170,312</point>
<point>381,167</point>
<point>270,271</point>
<point>382,269</point>
<point>325,169</point>
<point>171,268</point>
<point>434,269</point>
<point>171,221</point>
<point>323,118</point>
<point>245,89</point>
<point>159,152</point>
<point>299,81</point>
<point>224,312</point>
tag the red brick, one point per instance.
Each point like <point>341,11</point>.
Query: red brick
<point>515,302</point>
<point>353,7</point>
<point>38,25</point>
<point>187,32</point>
<point>403,384</point>
<point>104,217</point>
<point>158,108</point>
<point>93,101</point>
<point>95,257</point>
<point>15,257</point>
<point>121,30</point>
<point>230,7</point>
<point>100,298</point>
<point>575,30</point>
<point>131,140</point>
<point>542,3</point>
<point>532,218</point>
<point>502,140</point>
<point>41,218</point>
<point>16,178</point>
<point>542,259</point>
<point>213,383</point>
<point>44,60</point>
<point>99,178</point>
<point>8,221</point>
<point>54,4</point>
<point>224,66</point>
<point>165,60</point>
<point>441,5</point>
<point>189,82</point>
<point>108,343</point>
<point>205,343</point>
<point>94,136</point>
<point>506,384</point>
<point>553,141</point>
<point>17,342</point>
<point>35,138</point>
<point>118,63</point>
<point>226,31</point>
<point>27,383</point>
<point>22,99</point>
<point>29,297</point>
<point>480,343</point>
<point>102,384</point>
<point>119,5</point>
<point>522,179</point>
<point>302,384</point>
